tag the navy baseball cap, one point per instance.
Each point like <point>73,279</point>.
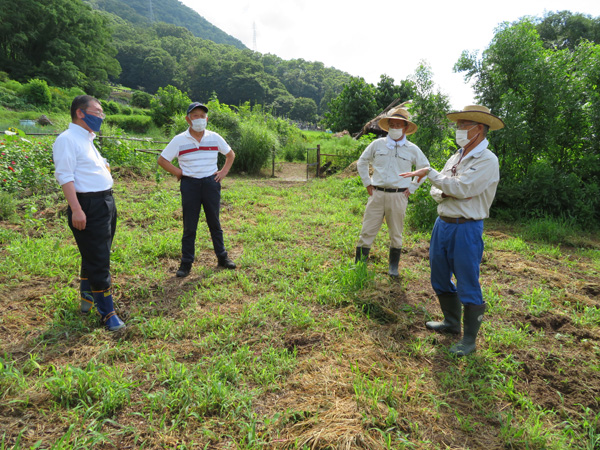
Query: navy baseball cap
<point>197,105</point>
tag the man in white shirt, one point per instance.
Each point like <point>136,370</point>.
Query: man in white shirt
<point>196,150</point>
<point>464,190</point>
<point>388,192</point>
<point>86,181</point>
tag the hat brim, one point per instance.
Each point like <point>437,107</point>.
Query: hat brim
<point>495,123</point>
<point>410,127</point>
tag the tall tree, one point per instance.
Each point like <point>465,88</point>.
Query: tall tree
<point>354,107</point>
<point>387,91</point>
<point>549,152</point>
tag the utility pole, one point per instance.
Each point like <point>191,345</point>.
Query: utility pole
<point>150,12</point>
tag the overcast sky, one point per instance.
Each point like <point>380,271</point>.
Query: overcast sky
<point>370,39</point>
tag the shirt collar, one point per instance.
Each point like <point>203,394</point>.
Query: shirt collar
<point>476,152</point>
<point>80,130</point>
<point>188,134</point>
<point>391,144</point>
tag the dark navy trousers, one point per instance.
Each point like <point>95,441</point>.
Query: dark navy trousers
<point>198,193</point>
<point>95,241</point>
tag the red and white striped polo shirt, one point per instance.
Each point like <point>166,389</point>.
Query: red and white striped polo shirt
<point>196,159</point>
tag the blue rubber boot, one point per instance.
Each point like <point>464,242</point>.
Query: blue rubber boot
<point>87,299</point>
<point>104,305</point>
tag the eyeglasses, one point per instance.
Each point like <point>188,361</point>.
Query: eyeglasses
<point>96,113</point>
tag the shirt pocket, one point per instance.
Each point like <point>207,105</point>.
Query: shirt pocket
<point>380,161</point>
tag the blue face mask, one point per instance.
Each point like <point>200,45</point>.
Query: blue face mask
<point>94,122</point>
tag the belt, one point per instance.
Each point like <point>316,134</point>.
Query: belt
<point>389,189</point>
<point>456,219</point>
<point>95,194</point>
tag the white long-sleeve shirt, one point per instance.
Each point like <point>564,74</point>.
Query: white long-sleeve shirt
<point>472,189</point>
<point>77,159</point>
<point>389,159</point>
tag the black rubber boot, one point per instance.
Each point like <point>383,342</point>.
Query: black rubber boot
<point>225,262</point>
<point>394,260</point>
<point>362,253</point>
<point>472,321</point>
<point>184,269</point>
<point>452,308</point>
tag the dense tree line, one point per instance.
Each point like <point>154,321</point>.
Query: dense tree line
<point>63,42</point>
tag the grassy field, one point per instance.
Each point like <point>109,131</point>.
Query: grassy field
<point>296,349</point>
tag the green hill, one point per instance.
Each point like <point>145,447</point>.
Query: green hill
<point>169,11</point>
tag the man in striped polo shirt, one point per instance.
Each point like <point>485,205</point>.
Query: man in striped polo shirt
<point>196,150</point>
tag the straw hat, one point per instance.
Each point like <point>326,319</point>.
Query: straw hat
<point>398,113</point>
<point>479,114</point>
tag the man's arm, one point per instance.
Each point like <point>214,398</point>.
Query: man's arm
<point>362,167</point>
<point>176,171</point>
<point>78,216</point>
<point>229,157</point>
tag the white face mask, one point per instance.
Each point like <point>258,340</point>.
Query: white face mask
<point>461,137</point>
<point>199,124</point>
<point>395,133</point>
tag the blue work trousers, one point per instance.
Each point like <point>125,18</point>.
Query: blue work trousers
<point>457,249</point>
<point>198,193</point>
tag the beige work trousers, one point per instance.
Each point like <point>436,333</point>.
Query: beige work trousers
<point>392,206</point>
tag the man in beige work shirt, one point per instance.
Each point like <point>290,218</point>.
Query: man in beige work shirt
<point>464,191</point>
<point>388,192</point>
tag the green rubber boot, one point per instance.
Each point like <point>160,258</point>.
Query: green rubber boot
<point>362,254</point>
<point>394,261</point>
<point>472,321</point>
<point>452,308</point>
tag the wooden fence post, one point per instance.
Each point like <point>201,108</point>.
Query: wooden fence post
<point>318,160</point>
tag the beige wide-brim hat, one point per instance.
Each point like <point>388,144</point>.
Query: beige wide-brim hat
<point>479,114</point>
<point>398,113</point>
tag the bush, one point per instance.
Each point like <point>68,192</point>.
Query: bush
<point>37,92</point>
<point>168,104</point>
<point>141,99</point>
<point>134,124</point>
<point>126,110</point>
<point>548,191</point>
<point>111,107</point>
<point>10,99</point>
<point>256,144</point>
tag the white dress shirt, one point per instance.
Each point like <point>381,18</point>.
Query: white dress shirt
<point>76,159</point>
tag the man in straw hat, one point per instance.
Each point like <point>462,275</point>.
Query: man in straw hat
<point>388,193</point>
<point>464,190</point>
